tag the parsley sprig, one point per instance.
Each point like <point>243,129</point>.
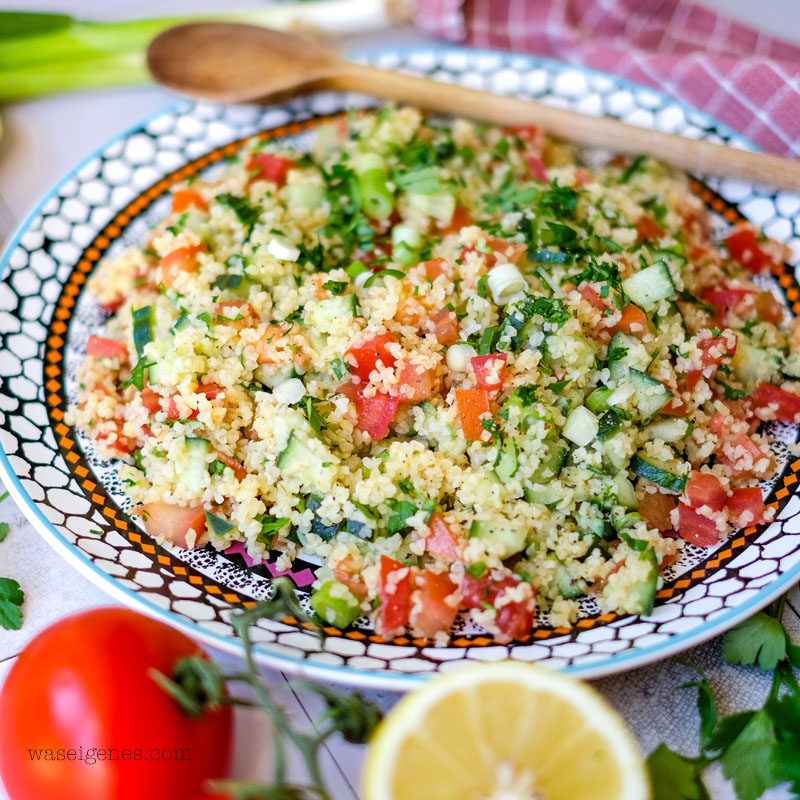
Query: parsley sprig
<point>756,749</point>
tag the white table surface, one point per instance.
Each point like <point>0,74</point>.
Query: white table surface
<point>43,139</point>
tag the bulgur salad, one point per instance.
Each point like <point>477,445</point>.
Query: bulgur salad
<point>455,366</point>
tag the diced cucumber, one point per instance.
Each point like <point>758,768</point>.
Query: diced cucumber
<point>616,457</point>
<point>569,587</point>
<point>322,317</point>
<point>503,538</point>
<point>626,494</point>
<point>299,461</point>
<point>658,473</point>
<point>635,356</point>
<point>668,430</point>
<point>336,604</point>
<point>753,364</point>
<point>193,474</point>
<point>644,592</point>
<point>581,426</point>
<point>608,425</point>
<point>564,351</point>
<point>651,395</point>
<point>273,380</point>
<point>648,287</point>
<point>142,319</point>
<point>553,462</point>
<point>597,401</point>
<point>508,463</point>
<point>674,260</point>
<point>627,520</point>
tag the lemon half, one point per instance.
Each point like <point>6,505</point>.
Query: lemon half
<point>504,731</point>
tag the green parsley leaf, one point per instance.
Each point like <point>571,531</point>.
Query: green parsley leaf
<point>637,165</point>
<point>674,777</point>
<point>476,570</point>
<point>247,212</point>
<point>4,529</point>
<point>335,287</point>
<point>269,527</point>
<point>616,354</point>
<point>227,281</point>
<point>137,374</point>
<point>483,286</point>
<point>747,761</point>
<point>401,511</point>
<point>730,392</point>
<point>11,600</point>
<point>706,707</point>
<point>759,639</point>
<point>340,368</point>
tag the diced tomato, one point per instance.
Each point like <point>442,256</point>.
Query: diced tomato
<point>788,403</point>
<point>367,355</point>
<point>489,374</point>
<point>588,293</point>
<point>675,408</point>
<point>726,345</point>
<point>648,230</point>
<point>582,177</point>
<point>421,384</point>
<point>434,268</point>
<point>395,596</point>
<point>110,308</point>
<point>441,542</point>
<point>742,442</point>
<point>536,168</point>
<point>717,423</point>
<point>693,378</point>
<point>174,523</point>
<point>100,347</point>
<point>726,299</point>
<point>210,390</point>
<point>655,508</point>
<point>743,500</point>
<point>374,414</point>
<point>513,620</point>
<point>532,135</point>
<point>460,219</point>
<point>695,528</point>
<point>705,489</point>
<point>744,250</point>
<point>151,399</point>
<point>238,470</point>
<point>445,327</point>
<point>632,320</point>
<point>121,443</point>
<point>768,308</point>
<point>183,259</point>
<point>182,199</point>
<point>148,431</point>
<point>269,167</point>
<point>430,613</point>
<point>472,405</point>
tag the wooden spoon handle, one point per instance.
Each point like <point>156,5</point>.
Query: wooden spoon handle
<point>689,154</point>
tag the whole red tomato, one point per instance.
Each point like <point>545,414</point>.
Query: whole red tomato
<point>80,719</point>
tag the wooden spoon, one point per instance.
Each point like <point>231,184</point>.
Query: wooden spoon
<point>230,63</point>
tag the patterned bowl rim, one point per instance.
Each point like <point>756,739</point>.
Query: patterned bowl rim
<point>394,681</point>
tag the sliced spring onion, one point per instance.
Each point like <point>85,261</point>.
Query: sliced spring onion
<point>367,162</point>
<point>505,281</point>
<point>459,356</point>
<point>289,392</point>
<point>377,200</point>
<point>355,269</point>
<point>405,255</point>
<point>384,273</point>
<point>418,181</point>
<point>406,234</point>
<point>283,249</point>
<point>142,328</point>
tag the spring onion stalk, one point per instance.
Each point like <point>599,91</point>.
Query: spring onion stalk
<point>406,242</point>
<point>377,200</point>
<point>42,53</point>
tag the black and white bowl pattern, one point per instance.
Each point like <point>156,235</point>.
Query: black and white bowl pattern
<point>70,494</point>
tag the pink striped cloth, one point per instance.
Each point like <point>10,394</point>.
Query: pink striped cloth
<point>746,79</point>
